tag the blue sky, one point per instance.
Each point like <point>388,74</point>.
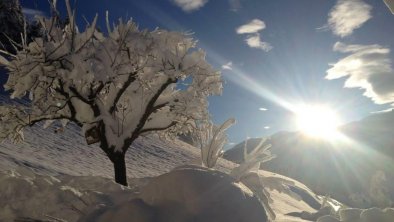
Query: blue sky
<point>275,54</point>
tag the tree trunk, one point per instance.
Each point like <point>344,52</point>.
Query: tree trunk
<point>118,160</point>
<point>117,157</point>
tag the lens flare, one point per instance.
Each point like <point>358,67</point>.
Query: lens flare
<point>317,121</point>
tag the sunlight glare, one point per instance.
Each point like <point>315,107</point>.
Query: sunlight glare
<point>317,121</point>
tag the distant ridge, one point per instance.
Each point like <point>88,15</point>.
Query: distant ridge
<point>350,171</point>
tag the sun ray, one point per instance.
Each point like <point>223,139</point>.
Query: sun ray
<point>317,121</point>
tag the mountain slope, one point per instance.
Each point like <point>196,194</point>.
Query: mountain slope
<point>357,169</point>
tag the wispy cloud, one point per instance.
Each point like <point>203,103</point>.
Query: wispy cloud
<point>367,67</point>
<point>32,12</point>
<point>254,41</point>
<point>253,26</point>
<point>390,4</point>
<point>253,38</point>
<point>235,5</point>
<point>348,15</point>
<point>383,111</point>
<point>190,5</point>
<point>228,66</point>
<point>263,109</point>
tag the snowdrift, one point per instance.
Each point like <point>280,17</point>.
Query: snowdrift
<point>188,193</point>
<point>26,194</point>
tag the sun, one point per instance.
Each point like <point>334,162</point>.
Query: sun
<point>317,121</point>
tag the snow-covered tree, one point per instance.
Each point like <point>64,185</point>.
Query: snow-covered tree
<point>116,86</point>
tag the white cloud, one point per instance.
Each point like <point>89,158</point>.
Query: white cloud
<point>263,109</point>
<point>32,12</point>
<point>367,67</point>
<point>253,26</point>
<point>390,4</point>
<point>254,41</point>
<point>190,5</point>
<point>348,15</point>
<point>383,111</point>
<point>253,38</point>
<point>228,66</point>
<point>267,127</point>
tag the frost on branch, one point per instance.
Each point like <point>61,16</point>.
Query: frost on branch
<point>247,173</point>
<point>211,139</point>
<point>260,154</point>
<point>12,122</point>
<point>119,85</point>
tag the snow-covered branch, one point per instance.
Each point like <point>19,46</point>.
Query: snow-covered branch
<point>260,154</point>
<point>247,173</point>
<point>211,140</point>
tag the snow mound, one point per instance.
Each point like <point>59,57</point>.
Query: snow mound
<point>188,193</point>
<point>25,194</point>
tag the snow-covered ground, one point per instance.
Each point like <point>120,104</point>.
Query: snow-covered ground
<point>70,177</point>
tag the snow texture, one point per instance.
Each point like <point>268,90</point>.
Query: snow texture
<point>66,161</point>
<point>195,193</point>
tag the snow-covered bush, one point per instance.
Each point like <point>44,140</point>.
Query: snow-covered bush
<point>247,173</point>
<point>116,86</point>
<point>260,154</point>
<point>211,140</point>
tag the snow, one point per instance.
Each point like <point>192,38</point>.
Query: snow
<point>211,140</point>
<point>26,194</point>
<point>67,153</point>
<point>71,179</point>
<point>58,169</point>
<point>70,75</point>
